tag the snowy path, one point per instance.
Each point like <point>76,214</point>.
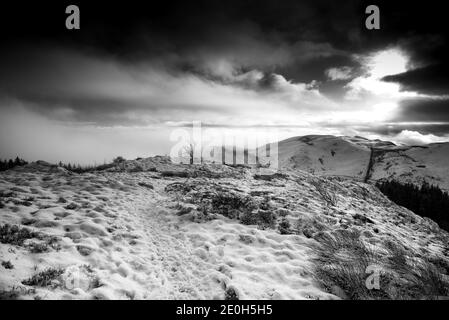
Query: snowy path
<point>174,271</point>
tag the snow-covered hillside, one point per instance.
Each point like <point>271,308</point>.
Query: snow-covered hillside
<point>414,165</point>
<point>150,229</point>
<point>350,157</point>
<point>324,155</point>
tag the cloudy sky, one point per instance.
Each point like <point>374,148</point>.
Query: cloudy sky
<point>134,73</point>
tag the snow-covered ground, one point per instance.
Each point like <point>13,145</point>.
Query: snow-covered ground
<point>150,229</point>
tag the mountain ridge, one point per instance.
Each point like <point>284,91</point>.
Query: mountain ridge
<point>366,160</point>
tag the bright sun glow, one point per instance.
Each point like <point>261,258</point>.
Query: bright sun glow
<point>387,62</point>
<point>379,65</point>
<point>383,111</point>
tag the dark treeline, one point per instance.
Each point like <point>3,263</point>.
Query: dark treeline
<point>84,168</point>
<point>90,168</point>
<point>426,201</point>
<point>9,164</point>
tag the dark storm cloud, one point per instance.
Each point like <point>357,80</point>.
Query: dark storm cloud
<point>256,45</point>
<point>186,33</point>
<point>226,43</point>
<point>68,85</point>
<point>424,109</point>
<point>312,28</point>
<point>433,79</point>
<point>421,31</point>
<point>252,34</point>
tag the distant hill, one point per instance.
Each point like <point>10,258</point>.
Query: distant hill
<point>366,160</point>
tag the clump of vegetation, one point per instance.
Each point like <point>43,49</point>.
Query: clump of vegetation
<point>342,262</point>
<point>204,172</point>
<point>362,219</point>
<point>178,187</point>
<point>245,208</point>
<point>12,234</point>
<point>15,292</point>
<point>62,200</point>
<point>71,206</point>
<point>22,203</point>
<point>44,278</point>
<point>136,168</point>
<point>329,196</point>
<point>263,215</point>
<point>182,210</point>
<point>231,294</point>
<point>146,185</point>
<point>249,217</point>
<point>180,174</point>
<point>246,239</point>
<point>7,265</point>
<point>426,201</point>
<point>309,226</point>
<point>38,247</point>
<point>424,282</point>
<point>345,262</point>
<point>441,264</point>
<point>284,226</point>
<point>118,160</point>
<point>263,218</point>
<point>269,177</point>
<point>28,221</point>
<point>231,205</point>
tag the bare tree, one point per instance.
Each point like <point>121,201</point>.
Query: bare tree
<point>190,149</point>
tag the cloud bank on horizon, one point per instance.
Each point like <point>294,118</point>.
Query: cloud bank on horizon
<point>131,74</point>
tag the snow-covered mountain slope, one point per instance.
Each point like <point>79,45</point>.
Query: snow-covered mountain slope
<point>199,232</point>
<point>414,165</point>
<point>350,157</point>
<point>324,155</point>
